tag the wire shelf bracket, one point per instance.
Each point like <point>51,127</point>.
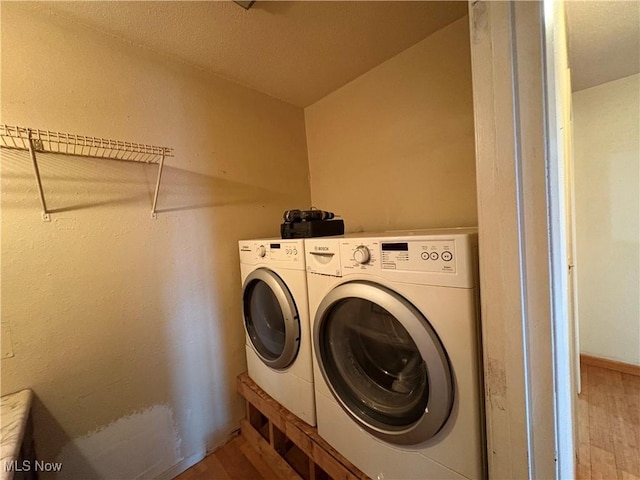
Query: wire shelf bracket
<point>45,141</point>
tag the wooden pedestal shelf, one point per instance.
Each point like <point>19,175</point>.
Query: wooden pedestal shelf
<point>293,449</point>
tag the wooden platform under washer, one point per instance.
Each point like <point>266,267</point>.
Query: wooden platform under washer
<point>292,448</point>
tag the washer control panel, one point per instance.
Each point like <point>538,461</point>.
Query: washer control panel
<point>419,255</point>
<point>360,254</point>
<point>439,257</point>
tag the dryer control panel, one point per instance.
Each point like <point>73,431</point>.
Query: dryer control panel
<point>272,251</point>
<point>284,252</point>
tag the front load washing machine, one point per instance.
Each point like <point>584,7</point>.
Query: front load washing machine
<point>276,320</point>
<point>396,352</point>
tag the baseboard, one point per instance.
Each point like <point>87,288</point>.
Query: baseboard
<point>621,367</point>
<point>181,466</point>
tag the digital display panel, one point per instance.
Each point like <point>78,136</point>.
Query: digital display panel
<point>275,245</point>
<point>395,247</point>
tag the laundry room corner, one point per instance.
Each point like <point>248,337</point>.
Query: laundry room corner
<point>406,127</point>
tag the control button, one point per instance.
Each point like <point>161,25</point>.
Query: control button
<point>425,255</point>
<point>447,256</point>
<point>362,255</point>
<point>288,251</point>
<point>295,251</point>
<point>261,251</point>
<point>434,255</point>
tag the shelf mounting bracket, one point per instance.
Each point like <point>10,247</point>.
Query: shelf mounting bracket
<point>154,214</point>
<point>33,144</point>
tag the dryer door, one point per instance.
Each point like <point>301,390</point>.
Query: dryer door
<point>271,318</point>
<point>383,362</point>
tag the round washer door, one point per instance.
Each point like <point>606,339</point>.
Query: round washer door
<point>271,318</point>
<point>383,362</point>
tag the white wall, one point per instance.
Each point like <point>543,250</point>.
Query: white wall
<point>129,329</point>
<point>607,153</point>
<point>394,149</point>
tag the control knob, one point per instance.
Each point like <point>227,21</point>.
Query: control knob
<point>261,251</point>
<point>362,255</point>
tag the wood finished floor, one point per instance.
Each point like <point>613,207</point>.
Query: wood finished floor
<point>608,436</point>
<point>236,460</point>
<point>608,425</point>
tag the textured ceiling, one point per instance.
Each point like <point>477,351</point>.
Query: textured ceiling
<point>295,51</point>
<point>604,41</point>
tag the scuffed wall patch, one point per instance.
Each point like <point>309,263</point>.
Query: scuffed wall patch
<point>140,445</point>
<point>496,381</point>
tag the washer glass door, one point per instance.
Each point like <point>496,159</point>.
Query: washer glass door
<point>271,318</point>
<point>383,362</point>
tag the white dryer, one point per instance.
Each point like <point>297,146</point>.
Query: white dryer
<point>276,320</point>
<point>397,352</point>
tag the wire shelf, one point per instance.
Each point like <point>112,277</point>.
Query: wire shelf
<point>46,141</point>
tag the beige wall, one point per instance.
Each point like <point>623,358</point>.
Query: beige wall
<point>394,149</point>
<point>129,329</point>
<point>607,194</point>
